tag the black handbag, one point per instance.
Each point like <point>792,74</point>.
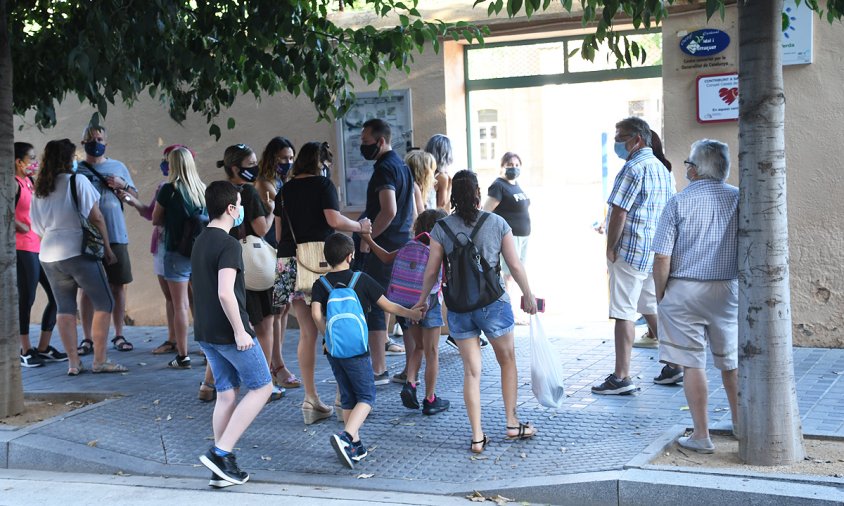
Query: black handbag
<point>93,245</point>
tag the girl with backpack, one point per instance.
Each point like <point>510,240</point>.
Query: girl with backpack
<point>470,241</point>
<point>406,283</point>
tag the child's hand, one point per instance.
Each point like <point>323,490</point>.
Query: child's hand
<point>416,313</point>
<point>244,341</point>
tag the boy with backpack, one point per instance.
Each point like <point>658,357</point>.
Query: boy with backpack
<point>340,301</point>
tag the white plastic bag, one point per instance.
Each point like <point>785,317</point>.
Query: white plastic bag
<point>546,371</point>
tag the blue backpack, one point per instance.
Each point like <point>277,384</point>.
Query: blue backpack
<point>346,333</point>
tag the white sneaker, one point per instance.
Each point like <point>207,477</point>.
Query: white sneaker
<point>697,445</point>
<point>646,341</point>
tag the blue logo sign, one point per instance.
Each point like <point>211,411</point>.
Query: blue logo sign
<point>705,42</point>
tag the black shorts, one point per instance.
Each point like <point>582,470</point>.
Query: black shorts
<point>259,305</point>
<point>120,272</point>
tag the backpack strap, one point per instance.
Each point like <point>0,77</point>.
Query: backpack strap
<point>355,277</point>
<point>102,179</point>
<point>478,225</point>
<point>449,232</point>
<point>326,284</point>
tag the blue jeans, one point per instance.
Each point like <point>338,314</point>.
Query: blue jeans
<point>494,320</point>
<point>231,367</point>
<point>355,380</point>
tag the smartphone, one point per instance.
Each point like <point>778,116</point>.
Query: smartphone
<point>540,304</point>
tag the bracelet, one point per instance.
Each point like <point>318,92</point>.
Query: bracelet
<point>126,187</point>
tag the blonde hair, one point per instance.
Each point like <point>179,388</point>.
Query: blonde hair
<point>91,130</point>
<point>184,177</point>
<point>422,164</point>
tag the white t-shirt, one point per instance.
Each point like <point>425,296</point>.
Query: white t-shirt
<point>56,219</point>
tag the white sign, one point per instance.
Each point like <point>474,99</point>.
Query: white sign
<point>717,98</point>
<point>797,38</point>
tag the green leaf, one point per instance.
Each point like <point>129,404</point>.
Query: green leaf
<point>230,124</point>
<point>214,131</point>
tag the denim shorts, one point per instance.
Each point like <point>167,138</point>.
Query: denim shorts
<point>231,367</point>
<point>355,380</point>
<point>176,267</point>
<point>433,317</point>
<point>494,320</point>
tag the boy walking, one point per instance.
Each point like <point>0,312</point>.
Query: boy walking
<point>348,351</point>
<point>222,329</point>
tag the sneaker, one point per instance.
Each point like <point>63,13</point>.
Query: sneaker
<point>224,467</point>
<point>484,341</point>
<point>180,362</point>
<point>646,341</point>
<point>382,379</point>
<point>697,445</point>
<point>669,375</point>
<point>408,396</point>
<point>400,378</point>
<point>218,482</point>
<point>397,331</point>
<point>358,451</point>
<point>393,348</point>
<point>612,385</point>
<point>342,444</point>
<point>52,355</point>
<point>31,358</point>
<point>438,406</point>
<point>451,342</point>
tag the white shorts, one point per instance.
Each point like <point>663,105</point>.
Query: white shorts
<point>631,291</point>
<point>694,313</point>
<point>521,243</point>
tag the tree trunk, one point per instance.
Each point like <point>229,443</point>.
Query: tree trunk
<point>11,388</point>
<point>769,422</point>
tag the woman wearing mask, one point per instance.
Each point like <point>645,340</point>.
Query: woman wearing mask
<point>55,218</point>
<point>275,164</point>
<point>307,202</point>
<point>30,273</point>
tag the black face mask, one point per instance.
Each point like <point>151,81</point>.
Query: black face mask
<point>247,174</point>
<point>512,173</point>
<point>369,151</point>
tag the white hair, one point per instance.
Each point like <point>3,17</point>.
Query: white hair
<point>711,159</point>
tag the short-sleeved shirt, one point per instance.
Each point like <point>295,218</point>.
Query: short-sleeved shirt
<point>699,230</point>
<point>253,207</point>
<point>25,241</point>
<point>214,250</point>
<point>56,219</point>
<point>304,200</point>
<point>391,173</point>
<point>642,188</point>
<point>488,239</point>
<point>177,209</point>
<point>513,205</point>
<point>110,205</point>
<point>367,289</point>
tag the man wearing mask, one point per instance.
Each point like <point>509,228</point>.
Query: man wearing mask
<point>389,204</point>
<point>108,176</point>
<point>640,192</point>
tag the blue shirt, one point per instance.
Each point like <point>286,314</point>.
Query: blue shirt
<point>109,203</point>
<point>699,230</point>
<point>641,188</point>
<point>391,173</point>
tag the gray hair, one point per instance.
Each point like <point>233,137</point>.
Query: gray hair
<point>440,146</point>
<point>711,159</point>
<point>636,126</point>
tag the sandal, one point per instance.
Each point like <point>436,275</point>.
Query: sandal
<point>290,382</point>
<point>393,348</point>
<point>108,367</point>
<point>165,348</point>
<point>207,392</point>
<point>121,344</point>
<point>523,432</point>
<point>86,347</point>
<point>483,442</point>
<point>75,370</point>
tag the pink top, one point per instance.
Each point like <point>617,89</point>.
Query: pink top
<point>28,241</point>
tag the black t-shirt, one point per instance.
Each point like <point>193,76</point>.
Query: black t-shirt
<point>367,289</point>
<point>513,205</point>
<point>176,209</point>
<point>305,200</point>
<point>253,207</point>
<point>391,173</point>
<point>215,250</point>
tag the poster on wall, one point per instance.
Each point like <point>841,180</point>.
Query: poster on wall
<point>717,98</point>
<point>394,107</point>
<point>797,46</point>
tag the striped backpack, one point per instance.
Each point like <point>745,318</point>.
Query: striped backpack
<point>408,272</point>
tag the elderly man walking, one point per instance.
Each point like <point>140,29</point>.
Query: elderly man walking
<point>639,194</point>
<point>696,279</point>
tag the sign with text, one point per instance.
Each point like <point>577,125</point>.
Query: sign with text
<point>717,98</point>
<point>706,42</point>
<point>797,37</point>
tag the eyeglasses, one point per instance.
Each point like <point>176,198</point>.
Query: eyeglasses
<point>690,163</point>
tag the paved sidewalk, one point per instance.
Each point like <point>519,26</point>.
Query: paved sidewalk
<point>157,427</point>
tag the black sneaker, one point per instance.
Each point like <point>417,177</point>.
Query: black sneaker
<point>31,358</point>
<point>451,342</point>
<point>615,386</point>
<point>438,406</point>
<point>342,444</point>
<point>224,467</point>
<point>358,451</point>
<point>180,362</point>
<point>52,355</point>
<point>408,396</point>
<point>218,482</point>
<point>382,379</point>
<point>669,375</point>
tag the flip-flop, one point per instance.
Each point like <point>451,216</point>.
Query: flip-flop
<point>86,347</point>
<point>121,344</point>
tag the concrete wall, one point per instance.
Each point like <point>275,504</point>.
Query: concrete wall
<point>814,115</point>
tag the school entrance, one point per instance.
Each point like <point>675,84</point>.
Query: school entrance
<point>558,113</point>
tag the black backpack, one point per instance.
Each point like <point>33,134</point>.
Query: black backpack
<point>195,222</point>
<point>470,282</point>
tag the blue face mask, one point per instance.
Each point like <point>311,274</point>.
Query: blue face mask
<point>621,150</point>
<point>74,166</point>
<point>283,168</point>
<point>239,220</point>
<point>95,149</point>
<point>165,168</point>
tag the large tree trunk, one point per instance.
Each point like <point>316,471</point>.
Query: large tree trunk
<point>11,388</point>
<point>769,422</point>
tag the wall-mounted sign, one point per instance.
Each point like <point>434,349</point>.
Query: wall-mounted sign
<point>717,98</point>
<point>706,42</point>
<point>797,37</point>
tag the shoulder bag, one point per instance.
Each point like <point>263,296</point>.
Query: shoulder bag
<point>93,245</point>
<point>310,259</point>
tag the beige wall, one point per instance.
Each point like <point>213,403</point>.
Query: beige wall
<point>814,118</point>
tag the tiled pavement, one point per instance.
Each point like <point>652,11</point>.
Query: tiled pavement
<point>159,420</point>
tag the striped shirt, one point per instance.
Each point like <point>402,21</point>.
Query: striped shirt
<point>641,188</point>
<point>699,230</point>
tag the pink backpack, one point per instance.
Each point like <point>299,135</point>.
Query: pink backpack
<point>408,272</point>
